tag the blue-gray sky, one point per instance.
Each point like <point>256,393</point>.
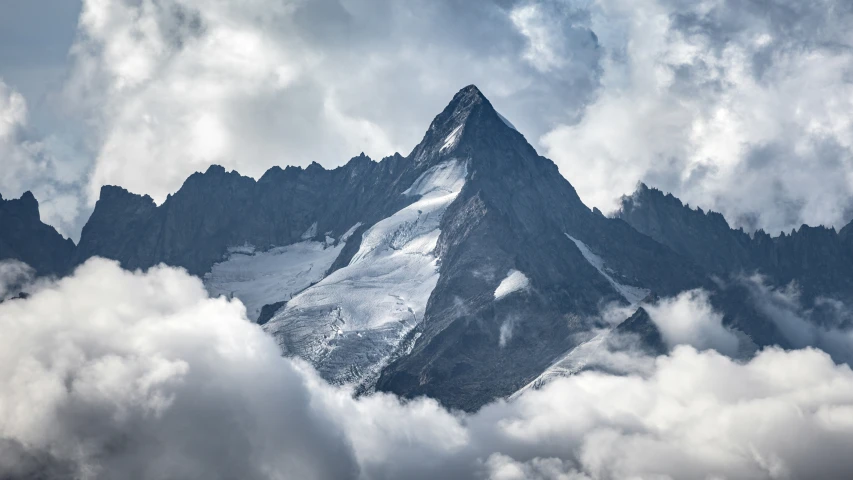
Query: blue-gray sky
<point>34,39</point>
<point>738,106</point>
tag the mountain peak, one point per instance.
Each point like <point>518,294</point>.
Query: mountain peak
<point>468,111</point>
<point>464,103</point>
<point>469,97</point>
<point>26,205</point>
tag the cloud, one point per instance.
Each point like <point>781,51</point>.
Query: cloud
<point>171,86</point>
<point>117,372</point>
<point>731,106</point>
<point>690,319</point>
<point>41,164</point>
<point>110,374</point>
<point>13,275</point>
<point>728,105</point>
<point>826,326</point>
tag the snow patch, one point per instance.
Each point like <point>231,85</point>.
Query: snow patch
<point>349,232</point>
<point>513,282</point>
<point>451,139</point>
<point>632,294</point>
<point>311,232</point>
<point>246,248</point>
<point>349,323</point>
<point>570,364</point>
<point>262,278</point>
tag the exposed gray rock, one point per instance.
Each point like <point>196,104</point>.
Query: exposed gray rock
<point>24,237</point>
<point>817,258</point>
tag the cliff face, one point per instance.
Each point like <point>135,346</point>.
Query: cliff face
<point>24,237</point>
<point>216,209</point>
<point>818,259</point>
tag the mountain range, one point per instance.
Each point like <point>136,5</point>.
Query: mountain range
<point>465,271</point>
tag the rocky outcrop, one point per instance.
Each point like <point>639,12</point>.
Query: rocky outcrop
<point>216,209</point>
<point>818,259</point>
<point>24,237</point>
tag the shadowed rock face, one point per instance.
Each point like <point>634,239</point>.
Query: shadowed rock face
<point>24,237</point>
<point>216,209</point>
<point>511,220</point>
<point>817,258</point>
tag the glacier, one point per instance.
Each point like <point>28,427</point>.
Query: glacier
<point>261,278</point>
<point>350,322</point>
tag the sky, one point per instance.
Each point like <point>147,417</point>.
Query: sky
<point>738,106</point>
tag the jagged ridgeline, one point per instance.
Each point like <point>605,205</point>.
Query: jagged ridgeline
<point>466,270</point>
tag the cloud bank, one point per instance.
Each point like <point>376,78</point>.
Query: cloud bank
<point>690,319</point>
<point>171,86</point>
<point>162,381</point>
<point>742,107</point>
<point>42,164</point>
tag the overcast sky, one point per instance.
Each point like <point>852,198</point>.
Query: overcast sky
<point>737,106</point>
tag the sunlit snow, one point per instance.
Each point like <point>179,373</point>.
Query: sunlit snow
<point>513,282</point>
<point>260,278</point>
<point>351,321</point>
<point>451,139</point>
<point>631,294</point>
<point>311,232</point>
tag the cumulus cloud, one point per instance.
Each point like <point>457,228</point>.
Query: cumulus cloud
<point>827,325</point>
<point>116,374</point>
<point>171,86</point>
<point>741,107</point>
<point>14,274</point>
<point>735,106</point>
<point>690,319</point>
<point>42,164</point>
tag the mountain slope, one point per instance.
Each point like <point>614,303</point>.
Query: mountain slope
<point>464,271</point>
<point>517,213</point>
<point>216,210</point>
<point>817,258</point>
<point>24,237</point>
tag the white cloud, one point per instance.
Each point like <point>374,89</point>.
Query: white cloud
<point>13,275</point>
<point>828,329</point>
<point>531,21</point>
<point>171,86</point>
<point>40,164</point>
<point>108,372</point>
<point>732,107</point>
<point>690,319</point>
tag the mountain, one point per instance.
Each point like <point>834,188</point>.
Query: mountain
<point>818,259</point>
<point>24,237</point>
<point>467,270</point>
<point>516,215</point>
